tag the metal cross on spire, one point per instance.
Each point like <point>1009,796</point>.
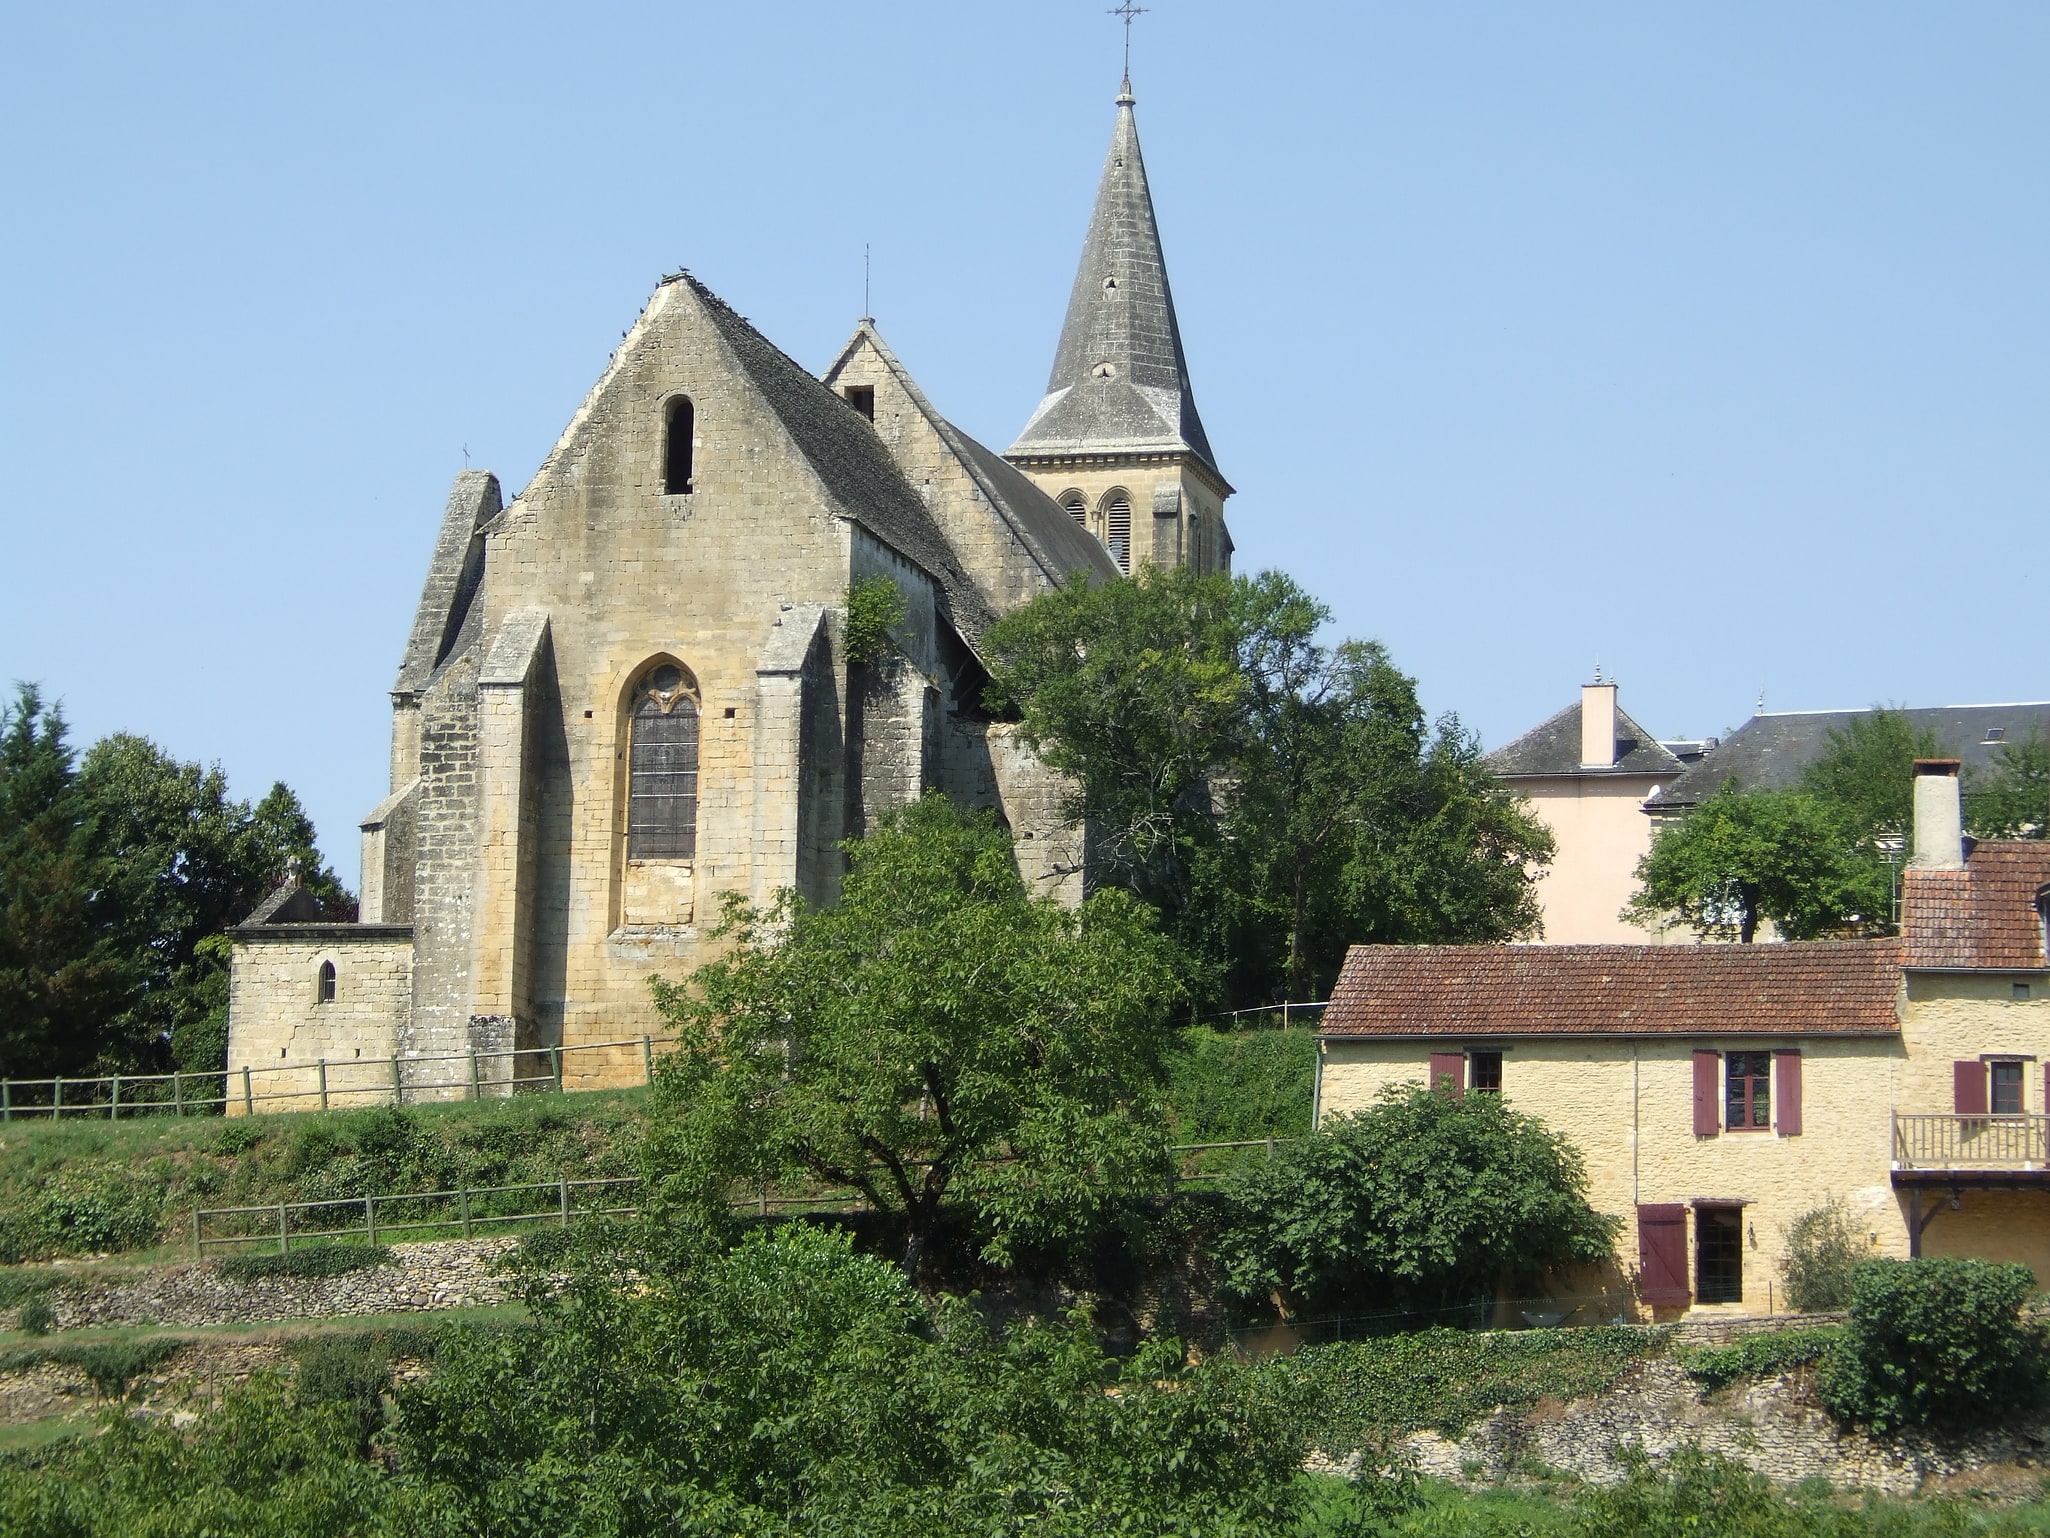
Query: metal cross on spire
<point>1127,10</point>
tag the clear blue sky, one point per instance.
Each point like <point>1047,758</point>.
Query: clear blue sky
<point>1709,341</point>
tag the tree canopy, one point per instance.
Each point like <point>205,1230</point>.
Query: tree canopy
<point>1275,798</point>
<point>2012,800</point>
<point>117,877</point>
<point>937,1035</point>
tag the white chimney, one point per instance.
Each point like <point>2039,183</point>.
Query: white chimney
<point>1597,726</point>
<point>1939,816</point>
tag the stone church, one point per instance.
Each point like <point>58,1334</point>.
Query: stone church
<point>625,694</point>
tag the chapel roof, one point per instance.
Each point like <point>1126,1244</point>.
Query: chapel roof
<point>1809,988</point>
<point>844,452</point>
<point>1553,747</point>
<point>1769,751</point>
<point>1120,382</point>
<point>1057,544</point>
<point>1984,916</point>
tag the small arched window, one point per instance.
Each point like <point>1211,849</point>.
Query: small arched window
<point>1117,529</point>
<point>662,768</point>
<point>324,989</point>
<point>681,423</point>
<point>1077,506</point>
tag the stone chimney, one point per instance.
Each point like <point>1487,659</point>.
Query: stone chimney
<point>1597,726</point>
<point>1939,816</point>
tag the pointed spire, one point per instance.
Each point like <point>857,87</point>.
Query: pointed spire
<point>1120,383</point>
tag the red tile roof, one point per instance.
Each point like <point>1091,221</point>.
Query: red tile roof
<point>1821,988</point>
<point>1982,916</point>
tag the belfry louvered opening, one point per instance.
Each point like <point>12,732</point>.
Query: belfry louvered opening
<point>1117,529</point>
<point>662,768</point>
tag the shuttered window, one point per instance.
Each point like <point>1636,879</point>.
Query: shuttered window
<point>1786,1087</point>
<point>1117,531</point>
<point>1708,1068</point>
<point>1749,1092</point>
<point>1448,1072</point>
<point>662,771</point>
<point>1662,1254</point>
<point>2007,1089</point>
<point>1077,508</point>
<point>1968,1087</point>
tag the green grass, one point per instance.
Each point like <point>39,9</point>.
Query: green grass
<point>79,1187</point>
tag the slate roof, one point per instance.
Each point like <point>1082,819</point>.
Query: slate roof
<point>1818,988</point>
<point>1120,382</point>
<point>856,470</point>
<point>1985,915</point>
<point>1769,751</point>
<point>1057,544</point>
<point>1554,748</point>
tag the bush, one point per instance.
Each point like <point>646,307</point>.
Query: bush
<point>1693,1494</point>
<point>1822,1253</point>
<point>1936,1342</point>
<point>328,1260</point>
<point>84,1209</point>
<point>1239,1086</point>
<point>875,607</point>
<point>36,1316</point>
<point>1422,1201</point>
<point>1758,1356</point>
<point>351,1374</point>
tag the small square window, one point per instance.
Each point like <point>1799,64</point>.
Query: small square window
<point>862,398</point>
<point>1484,1071</point>
<point>2021,990</point>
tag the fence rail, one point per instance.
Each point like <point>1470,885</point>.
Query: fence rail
<point>1971,1142</point>
<point>328,1083</point>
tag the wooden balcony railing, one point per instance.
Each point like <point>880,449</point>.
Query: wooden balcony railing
<point>1971,1142</point>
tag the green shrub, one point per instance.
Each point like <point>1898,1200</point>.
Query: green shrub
<point>1693,1494</point>
<point>84,1209</point>
<point>1239,1086</point>
<point>237,1137</point>
<point>36,1316</point>
<point>328,1260</point>
<point>1758,1356</point>
<point>1935,1342</point>
<point>350,1373</point>
<point>1823,1251</point>
<point>875,607</point>
<point>111,1366</point>
<point>1423,1200</point>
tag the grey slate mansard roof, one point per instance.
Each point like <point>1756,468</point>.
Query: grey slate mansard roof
<point>1059,545</point>
<point>844,451</point>
<point>1120,383</point>
<point>1554,748</point>
<point>1769,751</point>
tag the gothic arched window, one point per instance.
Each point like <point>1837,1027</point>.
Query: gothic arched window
<point>1077,506</point>
<point>1117,529</point>
<point>324,987</point>
<point>679,426</point>
<point>662,768</point>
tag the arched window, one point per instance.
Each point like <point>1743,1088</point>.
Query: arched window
<point>662,768</point>
<point>1077,506</point>
<point>324,990</point>
<point>676,447</point>
<point>1117,529</point>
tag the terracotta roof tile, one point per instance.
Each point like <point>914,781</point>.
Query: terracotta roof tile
<point>1822,988</point>
<point>1982,916</point>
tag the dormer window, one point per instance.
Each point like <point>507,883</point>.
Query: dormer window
<point>679,425</point>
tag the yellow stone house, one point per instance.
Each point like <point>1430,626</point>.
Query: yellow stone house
<point>1720,1092</point>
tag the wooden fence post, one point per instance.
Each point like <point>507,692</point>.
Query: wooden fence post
<point>564,1185</point>
<point>57,1098</point>
<point>323,1084</point>
<point>648,1057</point>
<point>196,1247</point>
<point>465,1193</point>
<point>6,1100</point>
<point>475,1093</point>
<point>114,1104</point>
<point>248,1098</point>
<point>370,1218</point>
<point>398,1084</point>
<point>284,1238</point>
<point>555,1056</point>
<point>178,1096</point>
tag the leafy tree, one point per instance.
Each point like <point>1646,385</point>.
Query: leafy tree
<point>1867,774</point>
<point>62,972</point>
<point>2013,800</point>
<point>1276,799</point>
<point>1938,1341</point>
<point>1422,1200</point>
<point>1741,858</point>
<point>937,1035</point>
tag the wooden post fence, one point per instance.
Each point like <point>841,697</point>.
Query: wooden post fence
<point>323,1084</point>
<point>177,1093</point>
<point>248,1098</point>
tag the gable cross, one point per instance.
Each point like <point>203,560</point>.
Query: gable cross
<point>1127,11</point>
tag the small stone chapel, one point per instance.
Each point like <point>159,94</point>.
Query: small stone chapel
<point>625,694</point>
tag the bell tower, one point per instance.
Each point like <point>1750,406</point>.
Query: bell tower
<point>1116,440</point>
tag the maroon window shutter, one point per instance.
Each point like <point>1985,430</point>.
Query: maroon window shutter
<point>1449,1065</point>
<point>1708,1073</point>
<point>1968,1087</point>
<point>1786,1091</point>
<point>1662,1254</point>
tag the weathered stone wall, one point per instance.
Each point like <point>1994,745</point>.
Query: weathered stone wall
<point>280,1030</point>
